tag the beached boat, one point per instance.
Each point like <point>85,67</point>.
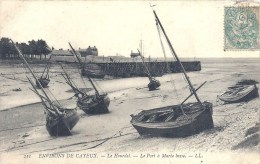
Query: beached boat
<point>94,104</point>
<point>170,121</point>
<point>44,82</point>
<point>59,120</point>
<point>177,120</point>
<point>61,124</point>
<point>239,93</point>
<point>91,104</point>
<point>153,84</point>
<point>44,79</point>
<point>93,71</point>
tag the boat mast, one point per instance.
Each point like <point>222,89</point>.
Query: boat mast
<point>47,67</point>
<point>70,82</point>
<point>74,53</point>
<point>41,97</point>
<point>175,55</point>
<point>145,66</point>
<point>81,64</point>
<point>21,56</point>
<point>141,53</point>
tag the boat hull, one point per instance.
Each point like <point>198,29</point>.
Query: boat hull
<point>62,125</point>
<point>240,94</point>
<point>44,82</point>
<point>154,84</point>
<point>92,74</point>
<point>193,123</point>
<point>94,105</point>
<point>92,71</point>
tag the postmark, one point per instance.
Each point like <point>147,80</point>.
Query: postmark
<point>241,28</point>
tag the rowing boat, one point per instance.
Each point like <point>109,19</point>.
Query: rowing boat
<point>239,93</point>
<point>169,121</point>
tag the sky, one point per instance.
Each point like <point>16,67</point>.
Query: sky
<point>195,28</point>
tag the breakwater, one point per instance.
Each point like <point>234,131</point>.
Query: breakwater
<point>128,69</point>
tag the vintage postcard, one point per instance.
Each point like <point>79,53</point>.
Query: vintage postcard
<point>129,81</point>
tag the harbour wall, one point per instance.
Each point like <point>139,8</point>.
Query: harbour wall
<point>128,69</point>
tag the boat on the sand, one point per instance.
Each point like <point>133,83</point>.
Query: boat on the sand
<point>239,93</point>
<point>153,83</point>
<point>92,70</point>
<point>61,124</point>
<point>44,82</point>
<point>59,120</point>
<point>45,78</point>
<point>90,104</point>
<point>179,120</point>
<point>169,121</point>
<point>93,104</point>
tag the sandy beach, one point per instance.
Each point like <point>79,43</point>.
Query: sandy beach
<point>23,131</point>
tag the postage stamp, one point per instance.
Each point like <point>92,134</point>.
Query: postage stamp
<point>241,25</point>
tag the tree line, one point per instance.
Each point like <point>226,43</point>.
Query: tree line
<point>32,49</point>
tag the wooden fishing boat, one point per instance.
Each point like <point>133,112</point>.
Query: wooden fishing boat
<point>239,93</point>
<point>94,104</point>
<point>61,125</point>
<point>93,71</point>
<point>59,120</point>
<point>177,120</point>
<point>90,104</point>
<point>44,82</point>
<point>169,121</point>
<point>44,79</point>
<point>153,84</point>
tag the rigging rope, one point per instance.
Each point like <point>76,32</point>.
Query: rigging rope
<point>168,69</point>
<point>43,99</point>
<point>46,89</point>
<point>159,33</point>
<point>80,74</point>
<point>96,84</point>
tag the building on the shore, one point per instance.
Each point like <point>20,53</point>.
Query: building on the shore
<point>89,51</point>
<point>62,56</point>
<point>134,54</point>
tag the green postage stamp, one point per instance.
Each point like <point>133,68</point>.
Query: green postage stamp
<point>241,25</point>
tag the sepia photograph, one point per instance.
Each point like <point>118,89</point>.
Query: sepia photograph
<point>129,81</point>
